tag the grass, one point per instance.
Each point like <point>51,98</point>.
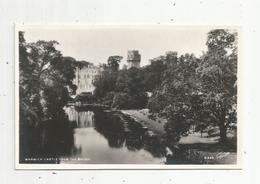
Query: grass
<point>194,148</point>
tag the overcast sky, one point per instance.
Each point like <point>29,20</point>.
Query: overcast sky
<point>96,44</point>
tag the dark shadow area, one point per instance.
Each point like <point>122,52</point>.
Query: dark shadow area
<point>229,146</point>
<point>46,142</point>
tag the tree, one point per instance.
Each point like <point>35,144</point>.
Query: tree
<point>218,76</point>
<point>130,81</point>
<point>66,66</point>
<point>172,99</point>
<point>113,86</point>
<point>105,83</point>
<point>153,74</point>
<point>44,77</point>
<point>113,62</point>
<point>201,92</point>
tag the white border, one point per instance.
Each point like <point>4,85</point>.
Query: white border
<point>19,26</point>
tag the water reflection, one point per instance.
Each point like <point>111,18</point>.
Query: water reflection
<point>47,142</point>
<point>105,137</point>
<point>88,137</point>
<point>97,137</point>
<point>83,119</point>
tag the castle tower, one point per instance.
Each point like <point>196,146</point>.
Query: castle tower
<point>133,59</point>
<point>171,56</point>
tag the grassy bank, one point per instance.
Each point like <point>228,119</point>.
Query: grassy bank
<point>197,149</point>
<point>142,116</point>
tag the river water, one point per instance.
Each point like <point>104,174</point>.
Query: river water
<point>97,137</point>
<point>104,138</point>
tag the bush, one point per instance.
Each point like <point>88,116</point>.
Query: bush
<point>121,101</point>
<point>139,100</point>
<point>108,99</point>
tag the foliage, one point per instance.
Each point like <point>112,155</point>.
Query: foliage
<point>173,99</point>
<point>45,76</point>
<point>122,89</point>
<point>130,81</point>
<point>186,90</point>
<point>105,83</point>
<point>218,79</point>
<point>200,92</point>
<point>121,101</point>
<point>153,74</point>
<point>113,62</point>
<point>82,64</point>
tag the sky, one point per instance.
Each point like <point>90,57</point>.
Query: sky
<point>95,44</point>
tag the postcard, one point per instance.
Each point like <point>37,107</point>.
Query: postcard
<point>128,97</point>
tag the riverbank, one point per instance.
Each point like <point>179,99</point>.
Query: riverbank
<point>201,149</point>
<point>157,125</point>
<point>142,116</point>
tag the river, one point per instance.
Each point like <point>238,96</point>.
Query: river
<point>103,138</point>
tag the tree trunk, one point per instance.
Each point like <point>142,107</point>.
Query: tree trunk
<point>223,132</point>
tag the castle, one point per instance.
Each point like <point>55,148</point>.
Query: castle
<point>133,59</point>
<point>85,76</point>
<point>170,56</point>
<point>86,72</point>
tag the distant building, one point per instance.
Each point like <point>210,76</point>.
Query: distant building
<point>133,59</point>
<point>159,58</point>
<point>85,76</point>
<point>170,56</point>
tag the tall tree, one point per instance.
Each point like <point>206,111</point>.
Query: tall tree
<point>44,77</point>
<point>218,76</point>
<point>173,99</point>
<point>153,74</point>
<point>130,81</point>
<point>105,82</point>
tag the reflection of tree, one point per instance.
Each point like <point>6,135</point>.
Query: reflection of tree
<point>154,146</point>
<point>50,140</point>
<point>76,150</point>
<point>115,141</point>
<point>110,127</point>
<point>57,138</point>
<point>134,143</point>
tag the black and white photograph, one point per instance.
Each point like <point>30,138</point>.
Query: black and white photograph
<point>127,97</point>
